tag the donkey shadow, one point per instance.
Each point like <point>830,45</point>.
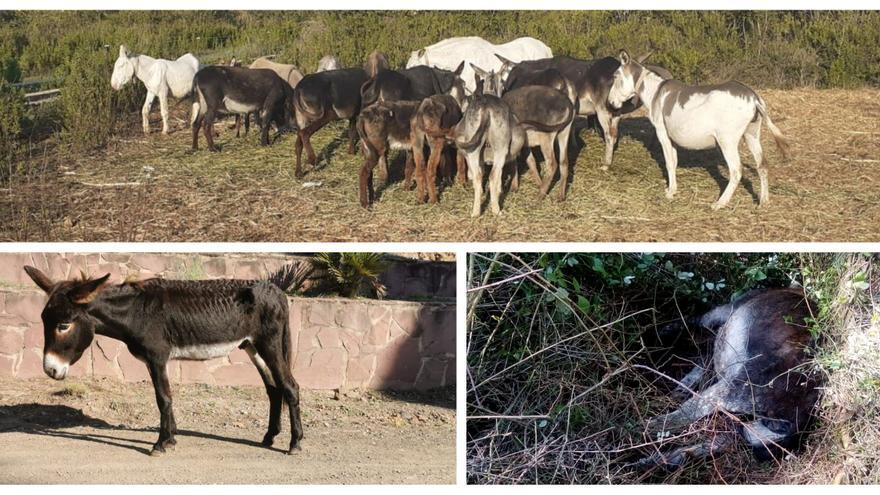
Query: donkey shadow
<point>711,160</point>
<point>54,420</point>
<point>322,158</point>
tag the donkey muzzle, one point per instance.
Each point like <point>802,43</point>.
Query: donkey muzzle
<point>54,366</point>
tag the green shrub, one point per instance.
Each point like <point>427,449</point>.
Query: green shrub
<point>12,113</point>
<point>90,108</point>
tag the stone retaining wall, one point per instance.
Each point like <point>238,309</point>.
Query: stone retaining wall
<point>337,343</point>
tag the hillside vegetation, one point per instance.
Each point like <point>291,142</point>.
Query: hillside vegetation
<point>75,50</point>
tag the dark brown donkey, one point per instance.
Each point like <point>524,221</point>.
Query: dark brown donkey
<point>175,319</point>
<point>758,375</point>
<point>435,123</point>
<point>382,126</point>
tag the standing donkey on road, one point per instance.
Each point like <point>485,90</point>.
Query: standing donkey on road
<point>175,319</point>
<point>160,76</point>
<point>697,118</point>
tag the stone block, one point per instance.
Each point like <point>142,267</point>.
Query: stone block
<point>31,365</point>
<point>397,365</point>
<point>153,262</point>
<point>359,371</point>
<point>195,372</point>
<point>28,305</point>
<point>11,340</point>
<point>432,374</point>
<point>237,375</point>
<point>7,365</point>
<point>133,369</point>
<point>326,371</point>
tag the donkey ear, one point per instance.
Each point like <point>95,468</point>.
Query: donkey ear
<point>644,57</point>
<point>86,292</point>
<point>459,69</point>
<point>123,51</point>
<point>478,70</point>
<point>39,278</point>
<point>505,60</point>
<point>623,57</point>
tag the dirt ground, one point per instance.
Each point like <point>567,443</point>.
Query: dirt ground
<point>100,431</point>
<point>152,188</point>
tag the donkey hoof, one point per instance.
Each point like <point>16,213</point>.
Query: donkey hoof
<point>294,450</point>
<point>716,205</point>
<point>157,451</point>
<point>268,441</point>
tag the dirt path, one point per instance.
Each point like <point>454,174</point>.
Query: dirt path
<point>100,431</point>
<point>828,191</point>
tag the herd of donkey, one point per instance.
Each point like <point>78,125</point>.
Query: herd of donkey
<point>465,100</point>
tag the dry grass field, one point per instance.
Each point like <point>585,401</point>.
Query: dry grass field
<point>153,188</point>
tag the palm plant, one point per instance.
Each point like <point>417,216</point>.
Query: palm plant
<point>354,274</point>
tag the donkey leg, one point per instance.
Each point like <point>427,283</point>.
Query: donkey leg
<point>208,128</point>
<point>274,393</point>
<point>145,111</point>
<point>698,406</point>
<point>670,156</point>
<point>607,122</point>
<point>475,169</point>
<point>353,137</point>
<point>408,170</point>
<point>431,172</point>
<point>282,375</point>
<point>753,141</point>
<point>163,109</point>
<point>495,183</point>
<point>264,131</point>
<point>383,167</point>
<point>418,154</point>
<point>196,126</point>
<point>167,425</point>
<point>549,158</point>
<point>514,179</point>
<point>679,457</point>
<point>298,148</point>
<point>532,162</point>
<point>461,168</point>
<point>729,148</point>
<point>365,183</point>
<point>562,139</point>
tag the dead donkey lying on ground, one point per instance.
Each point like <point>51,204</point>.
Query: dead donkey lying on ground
<point>760,377</point>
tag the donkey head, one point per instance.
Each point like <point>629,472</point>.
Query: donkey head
<point>457,88</point>
<point>490,81</point>
<point>68,329</point>
<point>507,66</point>
<point>123,69</point>
<point>627,78</point>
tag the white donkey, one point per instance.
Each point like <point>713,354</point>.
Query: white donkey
<point>160,76</point>
<point>699,117</point>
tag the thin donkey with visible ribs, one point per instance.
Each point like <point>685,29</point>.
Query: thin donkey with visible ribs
<point>175,319</point>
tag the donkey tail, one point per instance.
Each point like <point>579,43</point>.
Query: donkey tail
<point>369,95</point>
<point>285,342</point>
<point>781,141</point>
<point>478,134</point>
<point>197,100</point>
<point>303,107</point>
